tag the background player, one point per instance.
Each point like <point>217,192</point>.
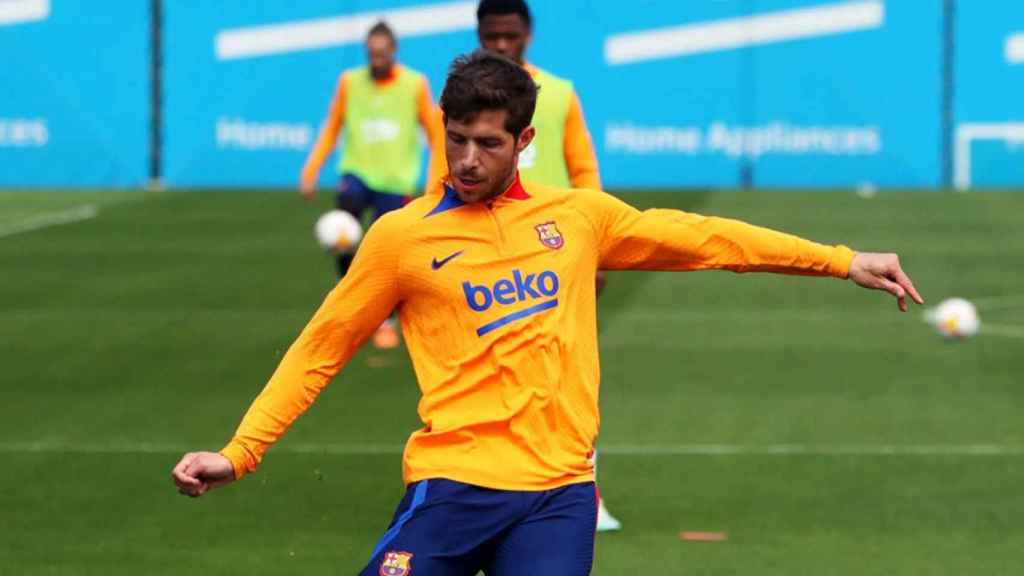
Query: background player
<point>503,337</point>
<point>380,107</point>
<point>562,153</point>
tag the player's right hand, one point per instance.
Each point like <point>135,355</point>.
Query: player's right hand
<point>199,472</point>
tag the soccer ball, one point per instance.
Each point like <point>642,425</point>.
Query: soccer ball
<point>955,318</point>
<point>338,231</point>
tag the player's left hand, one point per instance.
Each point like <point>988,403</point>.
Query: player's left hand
<point>883,272</point>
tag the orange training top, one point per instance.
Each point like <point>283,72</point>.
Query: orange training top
<point>497,305</point>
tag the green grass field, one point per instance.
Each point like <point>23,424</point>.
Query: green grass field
<point>822,430</point>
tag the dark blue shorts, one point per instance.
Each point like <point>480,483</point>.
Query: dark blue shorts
<point>447,528</point>
<point>354,196</point>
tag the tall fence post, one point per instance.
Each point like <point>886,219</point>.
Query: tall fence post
<point>948,89</point>
<point>155,94</point>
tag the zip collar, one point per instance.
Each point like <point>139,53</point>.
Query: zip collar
<point>450,200</point>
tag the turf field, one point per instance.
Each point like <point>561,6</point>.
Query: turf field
<point>821,430</point>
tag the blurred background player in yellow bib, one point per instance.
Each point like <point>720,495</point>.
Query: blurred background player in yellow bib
<point>378,111</point>
<point>562,153</point>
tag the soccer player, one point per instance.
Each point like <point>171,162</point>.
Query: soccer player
<point>494,283</point>
<point>562,153</point>
<point>381,107</point>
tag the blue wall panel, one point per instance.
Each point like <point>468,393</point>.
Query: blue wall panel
<point>251,121</point>
<point>814,93</point>
<point>819,107</point>
<point>989,111</point>
<point>811,106</point>
<point>74,94</point>
<point>867,103</point>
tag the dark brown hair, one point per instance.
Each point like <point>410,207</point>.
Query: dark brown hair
<point>383,29</point>
<point>487,81</point>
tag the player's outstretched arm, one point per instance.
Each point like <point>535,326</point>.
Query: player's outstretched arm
<point>431,119</point>
<point>199,472</point>
<point>675,240</point>
<point>325,142</point>
<point>883,272</point>
<point>578,148</point>
<point>346,319</point>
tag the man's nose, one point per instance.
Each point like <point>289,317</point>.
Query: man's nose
<point>472,158</point>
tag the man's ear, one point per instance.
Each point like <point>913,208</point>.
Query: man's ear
<point>525,138</point>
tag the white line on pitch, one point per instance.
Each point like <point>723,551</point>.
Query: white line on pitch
<point>999,302</point>
<point>814,450</point>
<point>733,33</point>
<point>620,449</point>
<point>49,219</point>
<point>1003,330</point>
<point>23,11</point>
<point>753,315</point>
<point>267,40</point>
<point>168,448</point>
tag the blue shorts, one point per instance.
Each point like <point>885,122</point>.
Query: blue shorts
<point>354,196</point>
<point>448,528</point>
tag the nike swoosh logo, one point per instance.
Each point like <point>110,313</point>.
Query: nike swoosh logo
<point>436,264</point>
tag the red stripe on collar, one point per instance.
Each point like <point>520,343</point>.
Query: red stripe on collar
<point>516,190</point>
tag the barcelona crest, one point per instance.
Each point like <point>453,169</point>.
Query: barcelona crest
<point>396,564</point>
<point>549,235</point>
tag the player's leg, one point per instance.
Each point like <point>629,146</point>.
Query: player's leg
<point>386,335</point>
<point>353,197</point>
<point>442,527</point>
<point>555,539</point>
<point>605,521</point>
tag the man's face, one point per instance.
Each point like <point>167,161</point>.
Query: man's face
<point>380,51</point>
<point>506,34</point>
<point>482,155</point>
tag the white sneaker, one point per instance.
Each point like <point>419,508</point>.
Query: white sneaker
<point>605,521</point>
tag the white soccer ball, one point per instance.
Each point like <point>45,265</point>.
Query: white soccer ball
<point>338,231</point>
<point>955,318</point>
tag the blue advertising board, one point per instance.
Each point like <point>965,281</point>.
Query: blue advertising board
<point>988,139</point>
<point>860,98</point>
<point>774,93</point>
<point>249,84</point>
<point>716,93</point>
<point>74,93</point>
<point>767,92</point>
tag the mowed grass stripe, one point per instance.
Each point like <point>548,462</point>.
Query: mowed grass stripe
<point>617,450</point>
<point>820,428</point>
